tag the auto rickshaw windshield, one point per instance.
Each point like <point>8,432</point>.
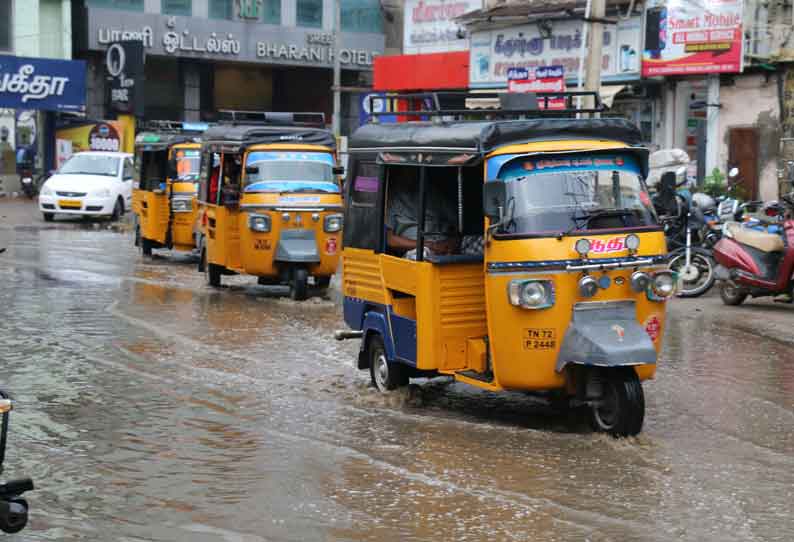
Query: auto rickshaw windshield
<point>290,172</point>
<point>574,193</point>
<point>188,163</point>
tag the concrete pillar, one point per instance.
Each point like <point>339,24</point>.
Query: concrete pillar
<point>151,6</point>
<point>713,124</point>
<point>289,12</point>
<point>201,9</point>
<point>192,84</point>
<point>670,112</point>
<point>66,34</point>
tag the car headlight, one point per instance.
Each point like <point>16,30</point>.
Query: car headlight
<point>663,284</point>
<point>46,190</point>
<point>181,205</point>
<point>260,223</point>
<point>531,294</point>
<point>101,193</point>
<point>333,223</point>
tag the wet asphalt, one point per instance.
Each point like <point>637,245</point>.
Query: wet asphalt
<point>151,407</point>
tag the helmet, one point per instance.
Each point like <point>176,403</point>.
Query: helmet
<point>773,209</point>
<point>704,202</point>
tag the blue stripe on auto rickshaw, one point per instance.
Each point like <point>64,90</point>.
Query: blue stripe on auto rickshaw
<point>370,317</point>
<point>293,186</point>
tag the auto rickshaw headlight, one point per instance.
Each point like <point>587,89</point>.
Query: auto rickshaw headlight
<point>632,242</point>
<point>531,294</point>
<point>663,284</point>
<point>588,286</point>
<point>640,281</point>
<point>333,223</point>
<point>181,205</point>
<point>582,247</point>
<point>259,223</point>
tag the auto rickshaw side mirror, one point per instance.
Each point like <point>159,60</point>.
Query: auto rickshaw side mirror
<point>494,193</point>
<point>339,170</point>
<point>251,170</point>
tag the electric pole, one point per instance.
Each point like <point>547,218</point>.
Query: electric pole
<point>336,120</point>
<point>595,55</point>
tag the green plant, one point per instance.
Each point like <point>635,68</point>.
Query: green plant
<point>714,185</point>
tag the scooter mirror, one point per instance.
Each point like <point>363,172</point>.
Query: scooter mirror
<point>734,172</point>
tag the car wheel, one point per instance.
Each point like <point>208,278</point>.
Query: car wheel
<point>118,210</point>
<point>49,217</point>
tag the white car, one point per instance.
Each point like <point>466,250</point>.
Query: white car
<point>90,184</point>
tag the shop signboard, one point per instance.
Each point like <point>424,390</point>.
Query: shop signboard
<point>91,136</point>
<point>378,105</point>
<point>124,65</point>
<point>429,25</point>
<point>232,41</point>
<point>42,83</point>
<point>540,79</point>
<point>494,52</point>
<point>685,38</point>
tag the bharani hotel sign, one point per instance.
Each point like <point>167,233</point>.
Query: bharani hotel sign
<point>231,40</point>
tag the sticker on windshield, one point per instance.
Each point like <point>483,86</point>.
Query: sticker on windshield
<point>299,199</point>
<point>598,246</point>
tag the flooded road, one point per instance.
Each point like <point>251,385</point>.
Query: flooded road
<point>150,407</point>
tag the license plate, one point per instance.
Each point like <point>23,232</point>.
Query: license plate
<point>70,203</point>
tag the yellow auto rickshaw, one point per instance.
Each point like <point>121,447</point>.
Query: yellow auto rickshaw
<point>271,202</point>
<point>167,157</point>
<point>509,254</point>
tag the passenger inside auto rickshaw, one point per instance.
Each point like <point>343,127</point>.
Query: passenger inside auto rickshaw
<point>445,232</point>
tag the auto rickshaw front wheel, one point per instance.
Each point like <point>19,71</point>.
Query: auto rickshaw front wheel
<point>212,272</point>
<point>299,285</point>
<point>386,375</point>
<point>620,410</point>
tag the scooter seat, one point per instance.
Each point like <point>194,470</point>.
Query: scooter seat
<point>765,242</point>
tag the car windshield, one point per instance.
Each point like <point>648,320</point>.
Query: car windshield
<point>188,162</point>
<point>290,172</point>
<point>91,164</point>
<point>575,193</point>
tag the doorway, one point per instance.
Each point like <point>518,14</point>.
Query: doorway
<point>743,154</point>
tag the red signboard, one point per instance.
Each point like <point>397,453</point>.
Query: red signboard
<point>685,38</point>
<point>539,79</point>
<point>434,71</point>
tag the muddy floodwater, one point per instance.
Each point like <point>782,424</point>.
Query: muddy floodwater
<point>151,407</point>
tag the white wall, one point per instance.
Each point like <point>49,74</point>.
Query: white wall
<point>753,102</point>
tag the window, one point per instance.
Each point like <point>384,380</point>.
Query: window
<point>272,11</point>
<point>221,9</point>
<point>310,13</point>
<point>6,26</point>
<point>131,5</point>
<point>129,170</point>
<point>361,16</point>
<point>364,212</point>
<point>176,7</point>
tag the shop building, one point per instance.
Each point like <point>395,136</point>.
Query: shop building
<point>37,83</point>
<point>202,56</point>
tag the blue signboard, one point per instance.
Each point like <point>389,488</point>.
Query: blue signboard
<point>42,83</point>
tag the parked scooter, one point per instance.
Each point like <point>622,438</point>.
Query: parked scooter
<point>756,263</point>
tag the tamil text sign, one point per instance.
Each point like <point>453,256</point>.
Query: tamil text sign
<point>42,83</point>
<point>684,38</point>
<point>124,65</point>
<point>540,79</point>
<point>429,25</point>
<point>494,52</point>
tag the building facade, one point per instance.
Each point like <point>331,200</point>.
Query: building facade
<point>202,56</point>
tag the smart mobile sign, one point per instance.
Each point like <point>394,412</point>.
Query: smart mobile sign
<point>684,38</point>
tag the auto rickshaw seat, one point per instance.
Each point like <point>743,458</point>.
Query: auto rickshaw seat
<point>765,242</point>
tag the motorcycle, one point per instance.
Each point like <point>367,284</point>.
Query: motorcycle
<point>27,183</point>
<point>756,263</point>
<point>684,226</point>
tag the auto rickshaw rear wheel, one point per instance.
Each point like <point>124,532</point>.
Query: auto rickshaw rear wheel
<point>298,287</point>
<point>386,375</point>
<point>146,246</point>
<point>620,410</point>
<point>322,282</point>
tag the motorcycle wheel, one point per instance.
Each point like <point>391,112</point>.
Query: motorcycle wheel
<point>698,278</point>
<point>731,294</point>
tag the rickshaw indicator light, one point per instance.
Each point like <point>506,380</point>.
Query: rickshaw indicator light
<point>604,282</point>
<point>632,242</point>
<point>316,217</point>
<point>285,217</point>
<point>333,223</point>
<point>531,294</point>
<point>582,247</point>
<point>259,223</point>
<point>663,284</point>
<point>588,286</point>
<point>640,281</point>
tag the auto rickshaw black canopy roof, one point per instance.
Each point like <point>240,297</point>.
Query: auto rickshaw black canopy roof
<point>481,137</point>
<point>237,137</point>
<point>152,141</point>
